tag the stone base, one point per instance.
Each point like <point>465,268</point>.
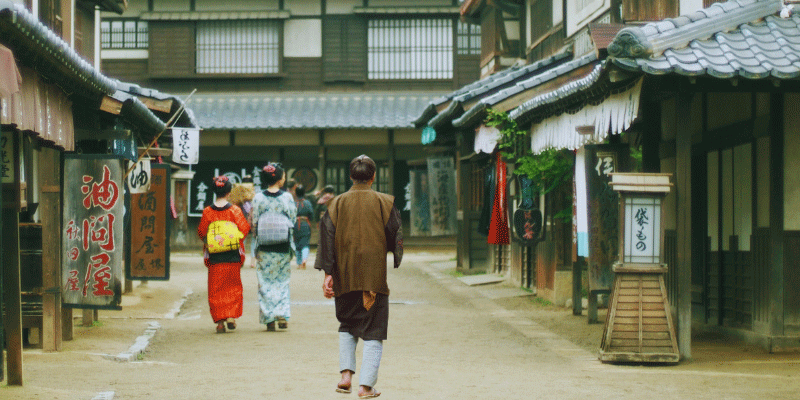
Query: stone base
<point>562,289</point>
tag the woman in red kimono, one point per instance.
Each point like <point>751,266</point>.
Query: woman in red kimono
<point>224,255</point>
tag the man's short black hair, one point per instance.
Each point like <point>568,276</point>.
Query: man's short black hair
<point>362,169</point>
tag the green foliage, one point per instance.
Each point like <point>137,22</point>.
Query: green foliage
<point>636,158</point>
<point>541,301</point>
<point>548,169</point>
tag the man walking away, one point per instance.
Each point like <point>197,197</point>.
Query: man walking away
<point>359,228</point>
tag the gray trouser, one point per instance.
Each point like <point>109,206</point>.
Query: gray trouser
<point>371,359</point>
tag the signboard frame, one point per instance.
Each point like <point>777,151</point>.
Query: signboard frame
<point>120,208</point>
<point>160,182</point>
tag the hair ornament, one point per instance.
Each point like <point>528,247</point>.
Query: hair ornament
<point>220,181</point>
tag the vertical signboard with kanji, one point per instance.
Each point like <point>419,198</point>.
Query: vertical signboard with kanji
<point>149,251</point>
<point>603,205</point>
<point>442,184</point>
<point>94,207</point>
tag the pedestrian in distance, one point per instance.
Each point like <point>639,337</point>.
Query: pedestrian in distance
<point>274,218</point>
<point>242,196</point>
<point>359,228</point>
<point>324,197</point>
<point>302,237</point>
<point>223,228</point>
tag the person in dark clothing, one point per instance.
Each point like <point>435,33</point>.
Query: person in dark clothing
<point>359,228</point>
<point>302,231</point>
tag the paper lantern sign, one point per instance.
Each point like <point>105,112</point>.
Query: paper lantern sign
<point>528,225</point>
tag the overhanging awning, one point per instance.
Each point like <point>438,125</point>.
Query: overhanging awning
<point>612,116</point>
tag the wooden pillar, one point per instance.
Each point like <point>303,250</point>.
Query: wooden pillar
<point>776,210</point>
<point>50,214</point>
<point>322,159</point>
<point>683,189</point>
<point>392,155</point>
<point>11,293</point>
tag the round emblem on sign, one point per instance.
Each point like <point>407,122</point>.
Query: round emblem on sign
<point>306,177</point>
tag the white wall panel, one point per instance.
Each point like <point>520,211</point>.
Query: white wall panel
<point>302,38</point>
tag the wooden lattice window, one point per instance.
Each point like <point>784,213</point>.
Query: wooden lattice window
<point>410,49</point>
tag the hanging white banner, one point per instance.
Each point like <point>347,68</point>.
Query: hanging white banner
<point>139,178</point>
<point>185,145</point>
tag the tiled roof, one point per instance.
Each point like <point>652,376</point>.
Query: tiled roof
<point>486,86</point>
<point>741,38</point>
<point>478,111</point>
<point>309,110</point>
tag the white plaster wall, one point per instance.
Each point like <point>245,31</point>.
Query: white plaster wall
<point>512,30</point>
<point>558,12</point>
<point>581,12</point>
<point>303,7</point>
<point>238,5</point>
<point>342,6</point>
<point>690,6</point>
<point>170,5</point>
<point>791,162</point>
<point>124,54</point>
<point>302,38</point>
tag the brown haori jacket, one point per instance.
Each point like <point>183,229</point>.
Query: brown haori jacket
<point>359,228</point>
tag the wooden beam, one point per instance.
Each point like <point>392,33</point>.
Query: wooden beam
<point>776,216</point>
<point>111,105</point>
<point>11,295</point>
<point>683,267</point>
<point>164,106</point>
<point>50,213</point>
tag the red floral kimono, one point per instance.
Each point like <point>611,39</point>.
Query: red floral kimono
<point>224,276</point>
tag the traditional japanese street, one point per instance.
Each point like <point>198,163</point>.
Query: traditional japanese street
<point>446,340</point>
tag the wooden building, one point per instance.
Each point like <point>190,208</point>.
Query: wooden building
<point>708,97</point>
<point>54,102</point>
<point>309,83</point>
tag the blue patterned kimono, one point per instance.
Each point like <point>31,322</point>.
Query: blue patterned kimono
<point>273,261</point>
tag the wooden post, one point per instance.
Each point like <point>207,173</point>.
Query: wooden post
<point>392,154</point>
<point>322,159</point>
<point>50,214</point>
<point>88,317</point>
<point>11,294</point>
<point>776,211</point>
<point>683,189</point>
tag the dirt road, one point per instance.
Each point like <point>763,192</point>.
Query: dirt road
<point>446,341</point>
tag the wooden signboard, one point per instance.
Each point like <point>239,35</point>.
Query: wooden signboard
<point>442,196</point>
<point>150,226</point>
<point>603,201</point>
<point>93,235</point>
